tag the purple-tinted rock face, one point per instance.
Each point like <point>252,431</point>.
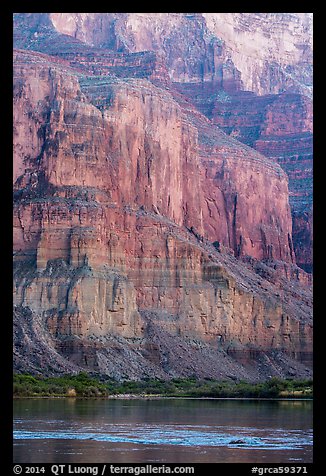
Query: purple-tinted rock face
<point>140,224</point>
<point>280,127</point>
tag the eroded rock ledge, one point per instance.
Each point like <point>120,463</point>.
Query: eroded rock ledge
<point>147,242</point>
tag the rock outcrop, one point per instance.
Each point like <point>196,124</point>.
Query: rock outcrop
<point>280,127</point>
<point>272,51</point>
<point>263,52</point>
<point>143,234</point>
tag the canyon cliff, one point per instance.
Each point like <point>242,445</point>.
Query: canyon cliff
<point>147,240</point>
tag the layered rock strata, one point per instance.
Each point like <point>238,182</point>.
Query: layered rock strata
<point>261,52</point>
<point>120,191</point>
<point>272,51</point>
<point>147,242</point>
<point>278,126</point>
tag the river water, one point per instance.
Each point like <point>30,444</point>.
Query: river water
<point>162,431</point>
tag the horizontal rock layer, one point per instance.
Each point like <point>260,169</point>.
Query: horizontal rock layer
<point>278,126</point>
<point>147,242</point>
<point>140,147</point>
<point>262,52</point>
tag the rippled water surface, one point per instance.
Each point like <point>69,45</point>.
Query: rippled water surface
<point>171,430</point>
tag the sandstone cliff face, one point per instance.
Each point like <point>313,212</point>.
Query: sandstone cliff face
<point>278,126</point>
<point>291,145</point>
<point>240,189</point>
<point>272,51</point>
<point>210,54</point>
<point>139,227</point>
<point>264,52</point>
<point>141,149</point>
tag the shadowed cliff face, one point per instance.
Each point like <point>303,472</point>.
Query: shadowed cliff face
<point>280,127</point>
<point>140,229</point>
<point>214,59</point>
<point>263,52</point>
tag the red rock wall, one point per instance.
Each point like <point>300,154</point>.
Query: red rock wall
<point>142,150</point>
<point>120,188</point>
<point>279,127</point>
<point>260,52</point>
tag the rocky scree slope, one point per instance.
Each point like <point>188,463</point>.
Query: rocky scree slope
<point>139,247</point>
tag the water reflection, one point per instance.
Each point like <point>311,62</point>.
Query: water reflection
<point>171,430</point>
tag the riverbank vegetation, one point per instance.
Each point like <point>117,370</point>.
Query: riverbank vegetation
<point>87,386</point>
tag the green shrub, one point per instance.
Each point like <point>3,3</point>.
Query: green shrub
<point>85,385</point>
